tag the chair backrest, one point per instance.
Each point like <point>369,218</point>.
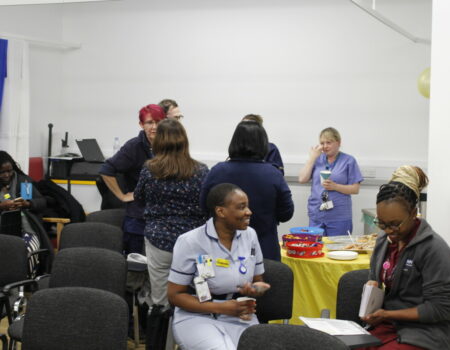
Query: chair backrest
<point>75,318</point>
<point>107,216</point>
<point>276,303</point>
<point>90,267</point>
<point>287,337</point>
<point>13,259</point>
<point>92,234</point>
<point>349,292</point>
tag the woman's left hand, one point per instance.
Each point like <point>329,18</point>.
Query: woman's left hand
<point>254,290</point>
<point>22,203</point>
<point>375,318</point>
<point>329,185</point>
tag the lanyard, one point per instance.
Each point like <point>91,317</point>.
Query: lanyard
<point>329,166</point>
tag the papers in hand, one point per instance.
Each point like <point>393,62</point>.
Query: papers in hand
<point>371,300</point>
<point>334,327</point>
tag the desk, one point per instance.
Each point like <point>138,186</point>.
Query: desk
<point>315,283</point>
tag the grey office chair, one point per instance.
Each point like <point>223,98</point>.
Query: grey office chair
<point>13,278</point>
<point>108,216</point>
<point>74,318</point>
<point>349,293</point>
<point>82,267</point>
<point>276,303</point>
<point>92,234</point>
<point>287,337</point>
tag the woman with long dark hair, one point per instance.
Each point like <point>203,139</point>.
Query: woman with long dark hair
<point>269,196</point>
<point>13,181</point>
<point>169,187</point>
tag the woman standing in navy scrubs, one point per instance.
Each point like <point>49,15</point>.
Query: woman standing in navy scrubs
<point>268,193</point>
<point>330,204</point>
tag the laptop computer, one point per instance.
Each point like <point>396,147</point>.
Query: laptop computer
<point>11,223</point>
<point>90,150</point>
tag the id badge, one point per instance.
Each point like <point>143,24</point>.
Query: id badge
<point>326,205</point>
<point>26,190</point>
<point>202,289</point>
<point>205,267</point>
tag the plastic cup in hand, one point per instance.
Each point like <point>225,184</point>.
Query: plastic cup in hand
<point>246,317</point>
<point>324,175</point>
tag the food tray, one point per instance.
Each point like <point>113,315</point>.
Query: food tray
<point>341,246</point>
<point>340,239</point>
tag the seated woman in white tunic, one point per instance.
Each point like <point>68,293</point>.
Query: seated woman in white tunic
<point>224,255</point>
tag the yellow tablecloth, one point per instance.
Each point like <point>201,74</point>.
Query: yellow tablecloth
<point>315,283</point>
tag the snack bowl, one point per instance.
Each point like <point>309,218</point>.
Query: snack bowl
<point>305,250</point>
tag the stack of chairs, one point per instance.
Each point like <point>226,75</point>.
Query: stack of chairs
<point>90,257</point>
<point>137,273</point>
<point>14,275</point>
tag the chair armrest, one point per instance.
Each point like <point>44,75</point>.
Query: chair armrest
<point>60,222</point>
<point>56,220</point>
<point>6,289</point>
<point>44,253</point>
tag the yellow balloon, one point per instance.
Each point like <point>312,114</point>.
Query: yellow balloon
<point>423,83</point>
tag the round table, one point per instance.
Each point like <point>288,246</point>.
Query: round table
<point>315,283</point>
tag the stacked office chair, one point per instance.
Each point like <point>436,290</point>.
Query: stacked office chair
<point>287,337</point>
<point>92,234</point>
<point>108,216</point>
<point>74,318</point>
<point>348,298</point>
<point>349,293</point>
<point>13,278</point>
<point>137,272</point>
<point>276,303</point>
<point>82,267</point>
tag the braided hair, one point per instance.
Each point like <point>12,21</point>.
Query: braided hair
<point>404,187</point>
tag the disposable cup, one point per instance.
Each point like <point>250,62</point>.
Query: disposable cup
<point>245,317</point>
<point>324,175</point>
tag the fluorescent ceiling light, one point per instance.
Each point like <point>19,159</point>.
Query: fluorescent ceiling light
<point>40,2</point>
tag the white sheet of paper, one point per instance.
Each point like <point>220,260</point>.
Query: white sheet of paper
<point>334,327</point>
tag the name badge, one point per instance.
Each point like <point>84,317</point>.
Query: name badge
<point>26,190</point>
<point>222,262</point>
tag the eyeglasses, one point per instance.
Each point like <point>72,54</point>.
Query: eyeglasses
<point>383,226</point>
<point>150,123</point>
<point>178,117</point>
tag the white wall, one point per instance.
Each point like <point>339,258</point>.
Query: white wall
<point>303,65</point>
<point>439,191</point>
<point>45,65</point>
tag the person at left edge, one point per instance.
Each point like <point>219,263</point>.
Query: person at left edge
<point>129,161</point>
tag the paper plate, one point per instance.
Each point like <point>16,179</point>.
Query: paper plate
<point>343,255</point>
